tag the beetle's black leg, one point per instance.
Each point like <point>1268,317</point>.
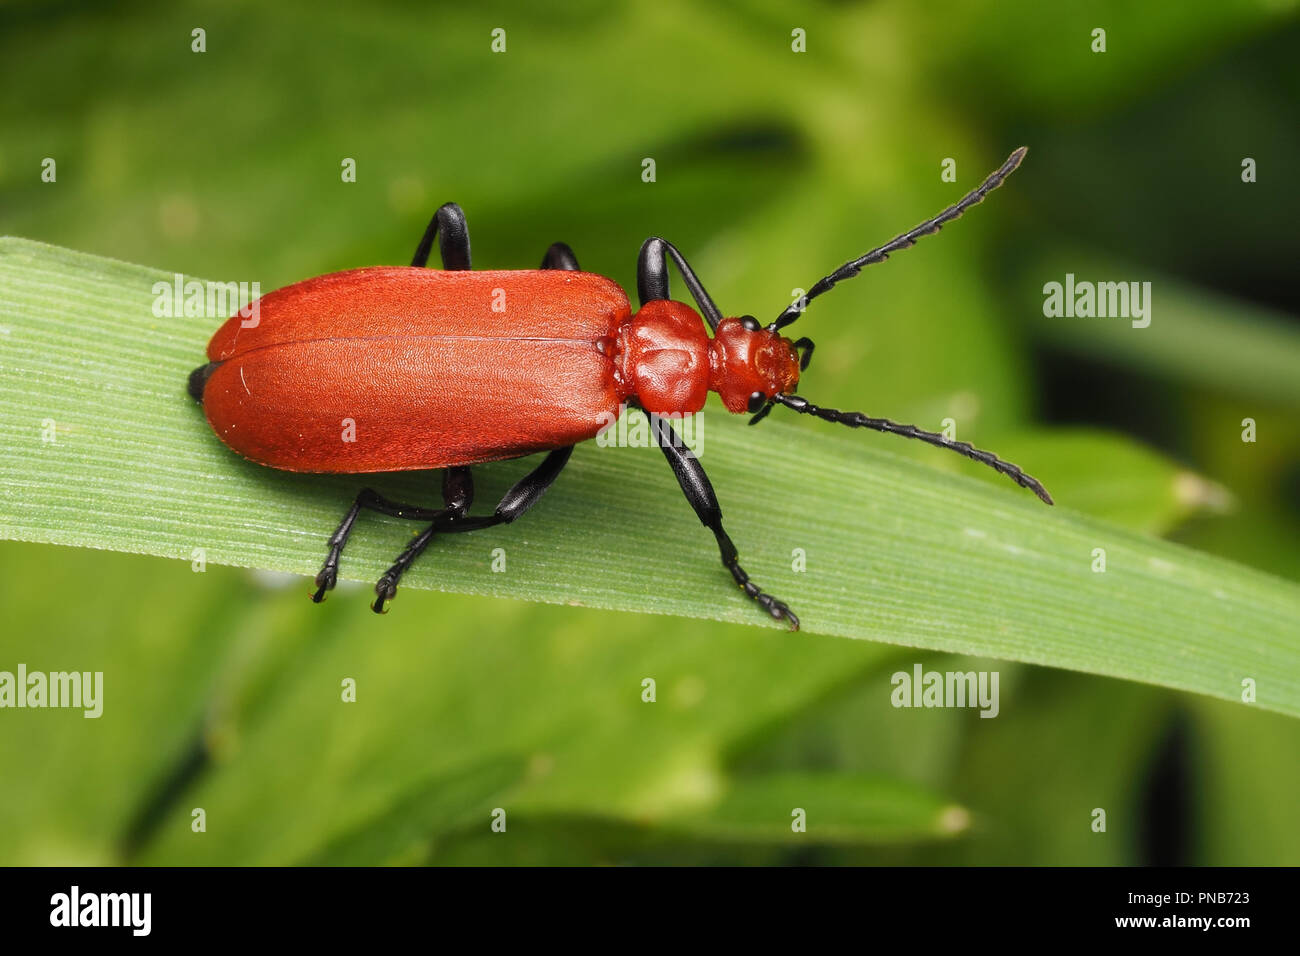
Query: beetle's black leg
<point>652,278</point>
<point>522,495</point>
<point>699,492</point>
<point>448,224</point>
<point>457,495</point>
<point>371,499</point>
<point>560,256</point>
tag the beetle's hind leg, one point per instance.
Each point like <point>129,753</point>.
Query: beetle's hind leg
<point>370,499</point>
<point>448,225</point>
<point>453,519</point>
<point>366,498</point>
<point>560,256</point>
<point>457,495</point>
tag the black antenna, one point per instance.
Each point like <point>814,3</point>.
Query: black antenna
<point>859,420</point>
<point>909,238</point>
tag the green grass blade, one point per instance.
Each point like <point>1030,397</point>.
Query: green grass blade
<point>895,551</point>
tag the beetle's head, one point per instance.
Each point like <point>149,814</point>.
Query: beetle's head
<point>749,364</point>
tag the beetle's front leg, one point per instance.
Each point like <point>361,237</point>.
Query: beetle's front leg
<point>699,492</point>
<point>652,278</point>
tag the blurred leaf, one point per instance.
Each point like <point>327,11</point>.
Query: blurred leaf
<point>920,745</point>
<point>1028,780</point>
<point>530,710</point>
<point>838,808</point>
<point>79,786</point>
<point>994,573</point>
<point>1137,488</point>
<point>1194,336</point>
<point>1033,778</point>
<point>1248,782</point>
<point>1052,43</point>
<point>406,833</point>
<point>225,695</point>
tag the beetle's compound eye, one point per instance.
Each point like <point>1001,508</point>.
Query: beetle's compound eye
<point>749,322</point>
<point>756,402</point>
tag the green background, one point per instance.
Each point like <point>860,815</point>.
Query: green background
<point>772,168</point>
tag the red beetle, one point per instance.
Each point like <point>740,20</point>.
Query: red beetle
<point>453,368</point>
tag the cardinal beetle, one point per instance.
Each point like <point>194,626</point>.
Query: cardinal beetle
<point>435,377</point>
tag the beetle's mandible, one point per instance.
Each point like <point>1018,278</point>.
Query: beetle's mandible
<point>435,377</point>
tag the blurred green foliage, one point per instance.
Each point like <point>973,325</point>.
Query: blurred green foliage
<point>772,167</point>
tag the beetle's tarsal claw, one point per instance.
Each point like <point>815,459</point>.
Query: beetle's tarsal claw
<point>325,581</point>
<point>780,611</point>
<point>386,590</point>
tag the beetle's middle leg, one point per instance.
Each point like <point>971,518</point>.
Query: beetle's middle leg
<point>523,494</point>
<point>652,278</point>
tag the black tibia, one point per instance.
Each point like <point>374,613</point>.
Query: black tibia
<point>804,347</point>
<point>859,420</point>
<point>909,238</point>
<point>519,499</point>
<point>457,495</point>
<point>699,492</point>
<point>448,224</point>
<point>652,278</point>
<point>456,481</point>
<point>453,519</point>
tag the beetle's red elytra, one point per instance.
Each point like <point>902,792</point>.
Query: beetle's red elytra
<point>452,368</point>
<point>402,365</point>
